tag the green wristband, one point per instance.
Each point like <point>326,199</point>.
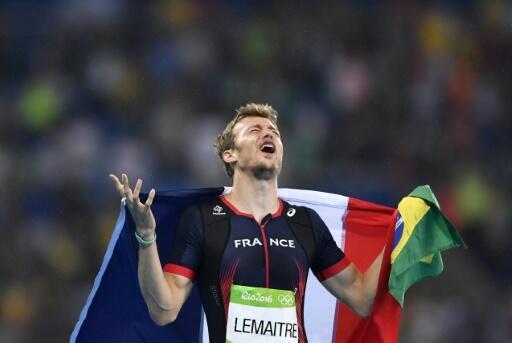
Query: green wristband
<point>143,241</point>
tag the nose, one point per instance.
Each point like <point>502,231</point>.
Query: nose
<point>268,133</point>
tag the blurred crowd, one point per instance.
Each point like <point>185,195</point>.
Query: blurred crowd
<point>374,99</point>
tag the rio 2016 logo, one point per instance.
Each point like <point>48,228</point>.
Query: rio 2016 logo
<point>256,297</point>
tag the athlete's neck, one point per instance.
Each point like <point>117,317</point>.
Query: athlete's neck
<point>253,196</point>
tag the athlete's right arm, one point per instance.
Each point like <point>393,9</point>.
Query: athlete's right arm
<point>164,293</point>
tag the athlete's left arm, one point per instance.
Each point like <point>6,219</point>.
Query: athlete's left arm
<point>357,290</point>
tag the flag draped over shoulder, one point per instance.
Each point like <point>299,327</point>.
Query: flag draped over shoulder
<point>115,309</point>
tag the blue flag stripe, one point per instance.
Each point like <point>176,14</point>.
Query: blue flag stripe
<point>399,230</point>
<point>115,236</point>
<point>115,309</point>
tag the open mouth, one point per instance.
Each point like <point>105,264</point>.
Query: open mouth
<point>269,148</point>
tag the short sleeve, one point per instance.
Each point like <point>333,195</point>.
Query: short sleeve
<point>328,259</point>
<point>186,251</point>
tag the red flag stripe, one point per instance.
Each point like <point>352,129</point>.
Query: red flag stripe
<point>368,228</point>
<point>365,225</point>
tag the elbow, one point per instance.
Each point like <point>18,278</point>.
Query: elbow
<point>363,311</point>
<point>364,307</point>
<point>162,314</point>
<point>161,318</point>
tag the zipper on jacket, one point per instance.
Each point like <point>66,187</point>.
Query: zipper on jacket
<point>265,250</point>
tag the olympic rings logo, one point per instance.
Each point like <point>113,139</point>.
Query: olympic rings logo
<point>285,300</point>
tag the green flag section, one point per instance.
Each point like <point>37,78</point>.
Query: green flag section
<point>421,233</point>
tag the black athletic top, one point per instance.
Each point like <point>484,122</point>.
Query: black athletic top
<point>256,254</point>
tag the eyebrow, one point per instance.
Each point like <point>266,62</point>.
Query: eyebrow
<point>260,126</point>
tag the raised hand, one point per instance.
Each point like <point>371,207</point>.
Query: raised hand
<point>141,213</point>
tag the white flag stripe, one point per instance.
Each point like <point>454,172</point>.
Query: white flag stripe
<point>319,304</point>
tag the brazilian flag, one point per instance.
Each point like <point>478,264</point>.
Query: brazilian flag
<point>421,233</point>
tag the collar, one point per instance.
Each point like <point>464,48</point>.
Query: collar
<point>233,208</point>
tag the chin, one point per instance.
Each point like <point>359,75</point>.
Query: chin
<point>265,172</point>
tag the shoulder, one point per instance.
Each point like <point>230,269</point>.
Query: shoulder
<point>316,220</point>
<point>207,212</point>
<point>296,213</point>
<point>192,213</point>
<point>203,206</point>
<point>304,215</point>
<point>320,229</point>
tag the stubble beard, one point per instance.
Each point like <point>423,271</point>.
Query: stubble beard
<point>262,172</point>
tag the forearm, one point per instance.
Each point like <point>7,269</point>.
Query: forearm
<point>355,289</point>
<point>370,280</point>
<point>162,301</point>
<point>154,287</point>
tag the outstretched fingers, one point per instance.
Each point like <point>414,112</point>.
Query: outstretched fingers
<point>150,198</point>
<point>132,197</point>
<point>127,190</point>
<point>136,191</point>
<point>117,184</point>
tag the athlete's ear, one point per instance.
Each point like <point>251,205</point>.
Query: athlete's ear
<point>229,156</point>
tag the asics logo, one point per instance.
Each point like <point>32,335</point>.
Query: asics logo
<point>291,212</point>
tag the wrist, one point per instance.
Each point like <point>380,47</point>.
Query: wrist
<point>145,241</point>
<point>145,233</point>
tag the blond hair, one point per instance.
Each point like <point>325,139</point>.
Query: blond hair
<point>226,140</point>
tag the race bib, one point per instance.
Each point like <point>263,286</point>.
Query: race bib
<point>261,315</point>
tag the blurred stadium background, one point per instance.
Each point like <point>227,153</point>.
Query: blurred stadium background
<point>374,98</point>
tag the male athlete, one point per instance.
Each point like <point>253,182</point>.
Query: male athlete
<point>249,250</point>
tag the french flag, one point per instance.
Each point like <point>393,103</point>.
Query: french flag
<point>116,312</point>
